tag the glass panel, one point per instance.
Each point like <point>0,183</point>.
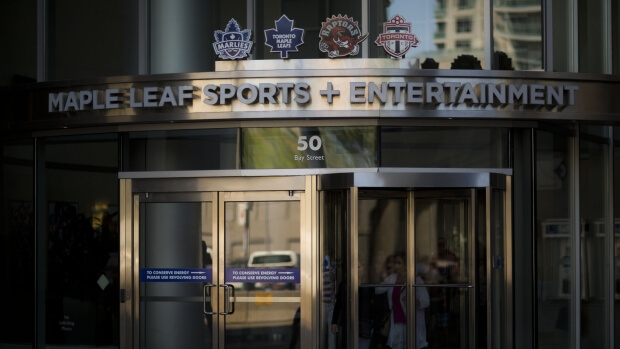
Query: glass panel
<point>309,147</point>
<point>91,39</point>
<point>306,15</point>
<point>481,298</point>
<point>442,28</point>
<point>182,150</point>
<point>17,244</point>
<point>267,293</point>
<point>498,270</point>
<point>442,257</point>
<point>81,182</point>
<point>177,27</point>
<point>382,241</point>
<point>553,240</point>
<point>615,37</point>
<point>561,32</point>
<point>444,147</point>
<point>334,329</point>
<point>517,34</point>
<point>19,41</point>
<point>616,230</point>
<point>592,20</point>
<point>592,175</point>
<point>171,306</point>
<point>595,130</point>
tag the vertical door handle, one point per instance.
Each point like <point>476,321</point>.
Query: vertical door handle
<point>229,306</point>
<point>207,289</point>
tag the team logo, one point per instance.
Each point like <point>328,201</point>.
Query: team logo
<point>233,43</point>
<point>340,36</point>
<point>396,38</point>
<point>284,38</point>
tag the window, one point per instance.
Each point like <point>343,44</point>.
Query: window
<point>465,4</point>
<point>82,240</point>
<point>463,44</point>
<point>463,25</point>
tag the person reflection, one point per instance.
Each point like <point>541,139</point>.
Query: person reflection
<point>365,324</point>
<point>446,263</point>
<point>444,316</point>
<point>397,300</point>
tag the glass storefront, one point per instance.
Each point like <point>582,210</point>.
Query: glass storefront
<point>181,150</point>
<point>554,256</point>
<point>17,242</point>
<point>592,208</point>
<point>456,141</point>
<point>82,240</point>
<point>18,34</point>
<point>616,235</point>
<point>91,39</point>
<point>460,147</point>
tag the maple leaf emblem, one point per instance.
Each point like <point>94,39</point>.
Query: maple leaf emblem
<point>284,38</point>
<point>232,28</point>
<point>233,43</point>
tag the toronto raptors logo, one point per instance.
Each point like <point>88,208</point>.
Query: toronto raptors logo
<point>396,38</point>
<point>340,36</point>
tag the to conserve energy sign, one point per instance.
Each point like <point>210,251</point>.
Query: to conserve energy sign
<point>175,275</point>
<point>290,275</point>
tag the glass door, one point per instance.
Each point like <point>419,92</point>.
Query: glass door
<point>260,279</point>
<point>417,245</point>
<point>447,264</point>
<point>442,248</point>
<point>175,244</point>
<point>212,268</point>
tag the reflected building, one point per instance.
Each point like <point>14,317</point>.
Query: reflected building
<point>517,32</point>
<point>459,30</point>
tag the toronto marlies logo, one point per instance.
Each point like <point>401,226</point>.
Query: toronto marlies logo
<point>340,36</point>
<point>233,43</point>
<point>396,38</point>
<point>284,38</point>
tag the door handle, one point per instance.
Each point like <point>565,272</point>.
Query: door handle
<point>206,289</point>
<point>229,305</point>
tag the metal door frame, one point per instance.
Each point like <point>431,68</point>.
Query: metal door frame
<point>200,189</point>
<point>410,181</point>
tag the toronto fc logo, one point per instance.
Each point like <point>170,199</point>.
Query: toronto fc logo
<point>396,38</point>
<point>340,36</point>
<point>233,43</point>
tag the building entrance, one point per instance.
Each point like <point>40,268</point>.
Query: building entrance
<point>216,267</point>
<point>416,266</point>
<point>331,261</point>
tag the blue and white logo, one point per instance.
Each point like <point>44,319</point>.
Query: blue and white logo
<point>284,38</point>
<point>233,43</point>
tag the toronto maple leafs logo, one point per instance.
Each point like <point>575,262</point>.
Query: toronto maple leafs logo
<point>340,36</point>
<point>284,38</point>
<point>397,38</point>
<point>233,43</point>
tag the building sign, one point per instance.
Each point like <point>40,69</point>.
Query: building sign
<point>284,38</point>
<point>175,275</point>
<point>340,36</point>
<point>283,95</point>
<point>397,38</point>
<point>233,43</point>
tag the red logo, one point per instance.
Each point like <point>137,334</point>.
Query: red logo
<point>340,36</point>
<point>397,38</point>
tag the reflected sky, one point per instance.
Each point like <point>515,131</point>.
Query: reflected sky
<point>421,16</point>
